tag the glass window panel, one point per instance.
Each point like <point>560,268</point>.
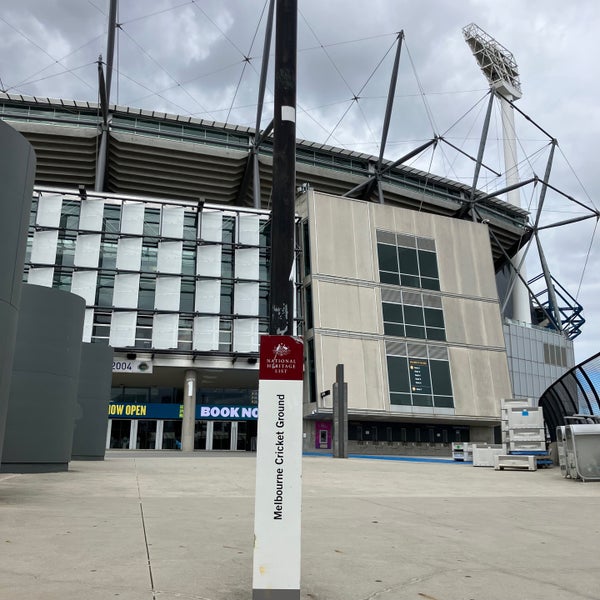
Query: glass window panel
<point>408,261</point>
<point>438,335</point>
<point>398,374</point>
<point>413,315</point>
<point>391,278</point>
<point>394,329</point>
<point>421,400</point>
<point>393,313</point>
<point>388,258</point>
<point>429,284</point>
<point>410,281</point>
<point>65,254</point>
<point>400,399</point>
<point>443,402</point>
<point>428,264</point>
<point>151,222</point>
<point>440,377</point>
<point>187,297</point>
<point>415,332</point>
<point>149,254</point>
<point>434,317</point>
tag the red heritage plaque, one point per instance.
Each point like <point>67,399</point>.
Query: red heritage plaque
<point>281,357</point>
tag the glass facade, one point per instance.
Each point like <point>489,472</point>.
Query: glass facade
<point>418,374</point>
<point>156,276</point>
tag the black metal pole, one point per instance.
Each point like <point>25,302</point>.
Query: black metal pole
<point>284,170</point>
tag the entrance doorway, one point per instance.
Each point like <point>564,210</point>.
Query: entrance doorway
<point>119,433</point>
<point>221,439</point>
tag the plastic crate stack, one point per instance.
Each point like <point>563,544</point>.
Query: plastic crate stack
<point>523,435</point>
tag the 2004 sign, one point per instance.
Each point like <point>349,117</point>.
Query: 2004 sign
<point>131,366</point>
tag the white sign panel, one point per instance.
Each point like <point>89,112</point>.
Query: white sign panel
<point>125,365</point>
<point>277,517</point>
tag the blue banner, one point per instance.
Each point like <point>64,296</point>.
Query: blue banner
<point>204,412</point>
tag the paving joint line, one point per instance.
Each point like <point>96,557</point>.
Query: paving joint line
<point>137,480</point>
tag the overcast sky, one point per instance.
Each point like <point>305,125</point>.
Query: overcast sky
<point>203,58</point>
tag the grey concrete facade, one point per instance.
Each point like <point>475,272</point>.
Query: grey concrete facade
<point>17,171</point>
<point>45,380</point>
<point>348,324</point>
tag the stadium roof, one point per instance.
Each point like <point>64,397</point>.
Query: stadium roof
<point>171,156</point>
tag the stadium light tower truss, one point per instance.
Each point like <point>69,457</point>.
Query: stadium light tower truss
<point>496,62</point>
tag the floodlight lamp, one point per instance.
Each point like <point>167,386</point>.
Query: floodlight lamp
<point>496,62</point>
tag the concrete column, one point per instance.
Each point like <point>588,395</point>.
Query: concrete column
<point>189,411</point>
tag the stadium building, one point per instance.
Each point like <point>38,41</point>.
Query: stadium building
<point>395,279</point>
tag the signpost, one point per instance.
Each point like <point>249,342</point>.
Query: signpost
<point>276,572</point>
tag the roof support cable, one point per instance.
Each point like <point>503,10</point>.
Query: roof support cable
<point>428,110</point>
<point>587,257</point>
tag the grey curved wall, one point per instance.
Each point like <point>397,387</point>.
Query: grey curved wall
<point>17,172</point>
<point>91,412</point>
<point>45,380</point>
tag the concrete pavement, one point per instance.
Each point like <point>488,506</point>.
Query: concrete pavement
<point>144,525</point>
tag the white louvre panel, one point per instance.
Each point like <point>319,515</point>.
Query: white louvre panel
<point>208,261</point>
<point>245,335</point>
<point>87,250</point>
<point>48,212</point>
<point>125,294</point>
<point>132,218</point>
<point>211,226</point>
<point>84,284</point>
<point>41,276</point>
<point>208,296</point>
<point>43,247</point>
<point>245,299</point>
<point>249,228</point>
<point>206,333</point>
<point>247,263</point>
<point>90,218</point>
<point>169,257</point>
<point>168,290</point>
<point>122,329</point>
<point>395,348</point>
<point>164,331</point>
<point>172,222</point>
<point>129,254</point>
<point>88,323</point>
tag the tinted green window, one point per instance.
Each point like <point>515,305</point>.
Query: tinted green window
<point>398,374</point>
<point>439,335</point>
<point>413,315</point>
<point>395,329</point>
<point>388,258</point>
<point>408,261</point>
<point>443,401</point>
<point>430,284</point>
<point>440,377</point>
<point>434,317</point>
<point>146,293</point>
<point>419,400</point>
<point>428,264</point>
<point>393,313</point>
<point>410,281</point>
<point>413,331</point>
<point>391,278</point>
<point>401,399</point>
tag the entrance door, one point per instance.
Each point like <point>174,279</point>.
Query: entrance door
<point>200,435</point>
<point>171,437</point>
<point>221,435</point>
<point>246,435</point>
<point>119,433</point>
<point>146,435</point>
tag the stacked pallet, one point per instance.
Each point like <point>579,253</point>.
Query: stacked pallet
<point>523,435</point>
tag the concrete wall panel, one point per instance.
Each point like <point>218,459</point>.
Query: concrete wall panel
<point>93,396</point>
<point>45,379</point>
<point>363,369</point>
<point>17,171</point>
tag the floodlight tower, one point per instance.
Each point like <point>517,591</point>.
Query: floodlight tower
<point>500,68</point>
